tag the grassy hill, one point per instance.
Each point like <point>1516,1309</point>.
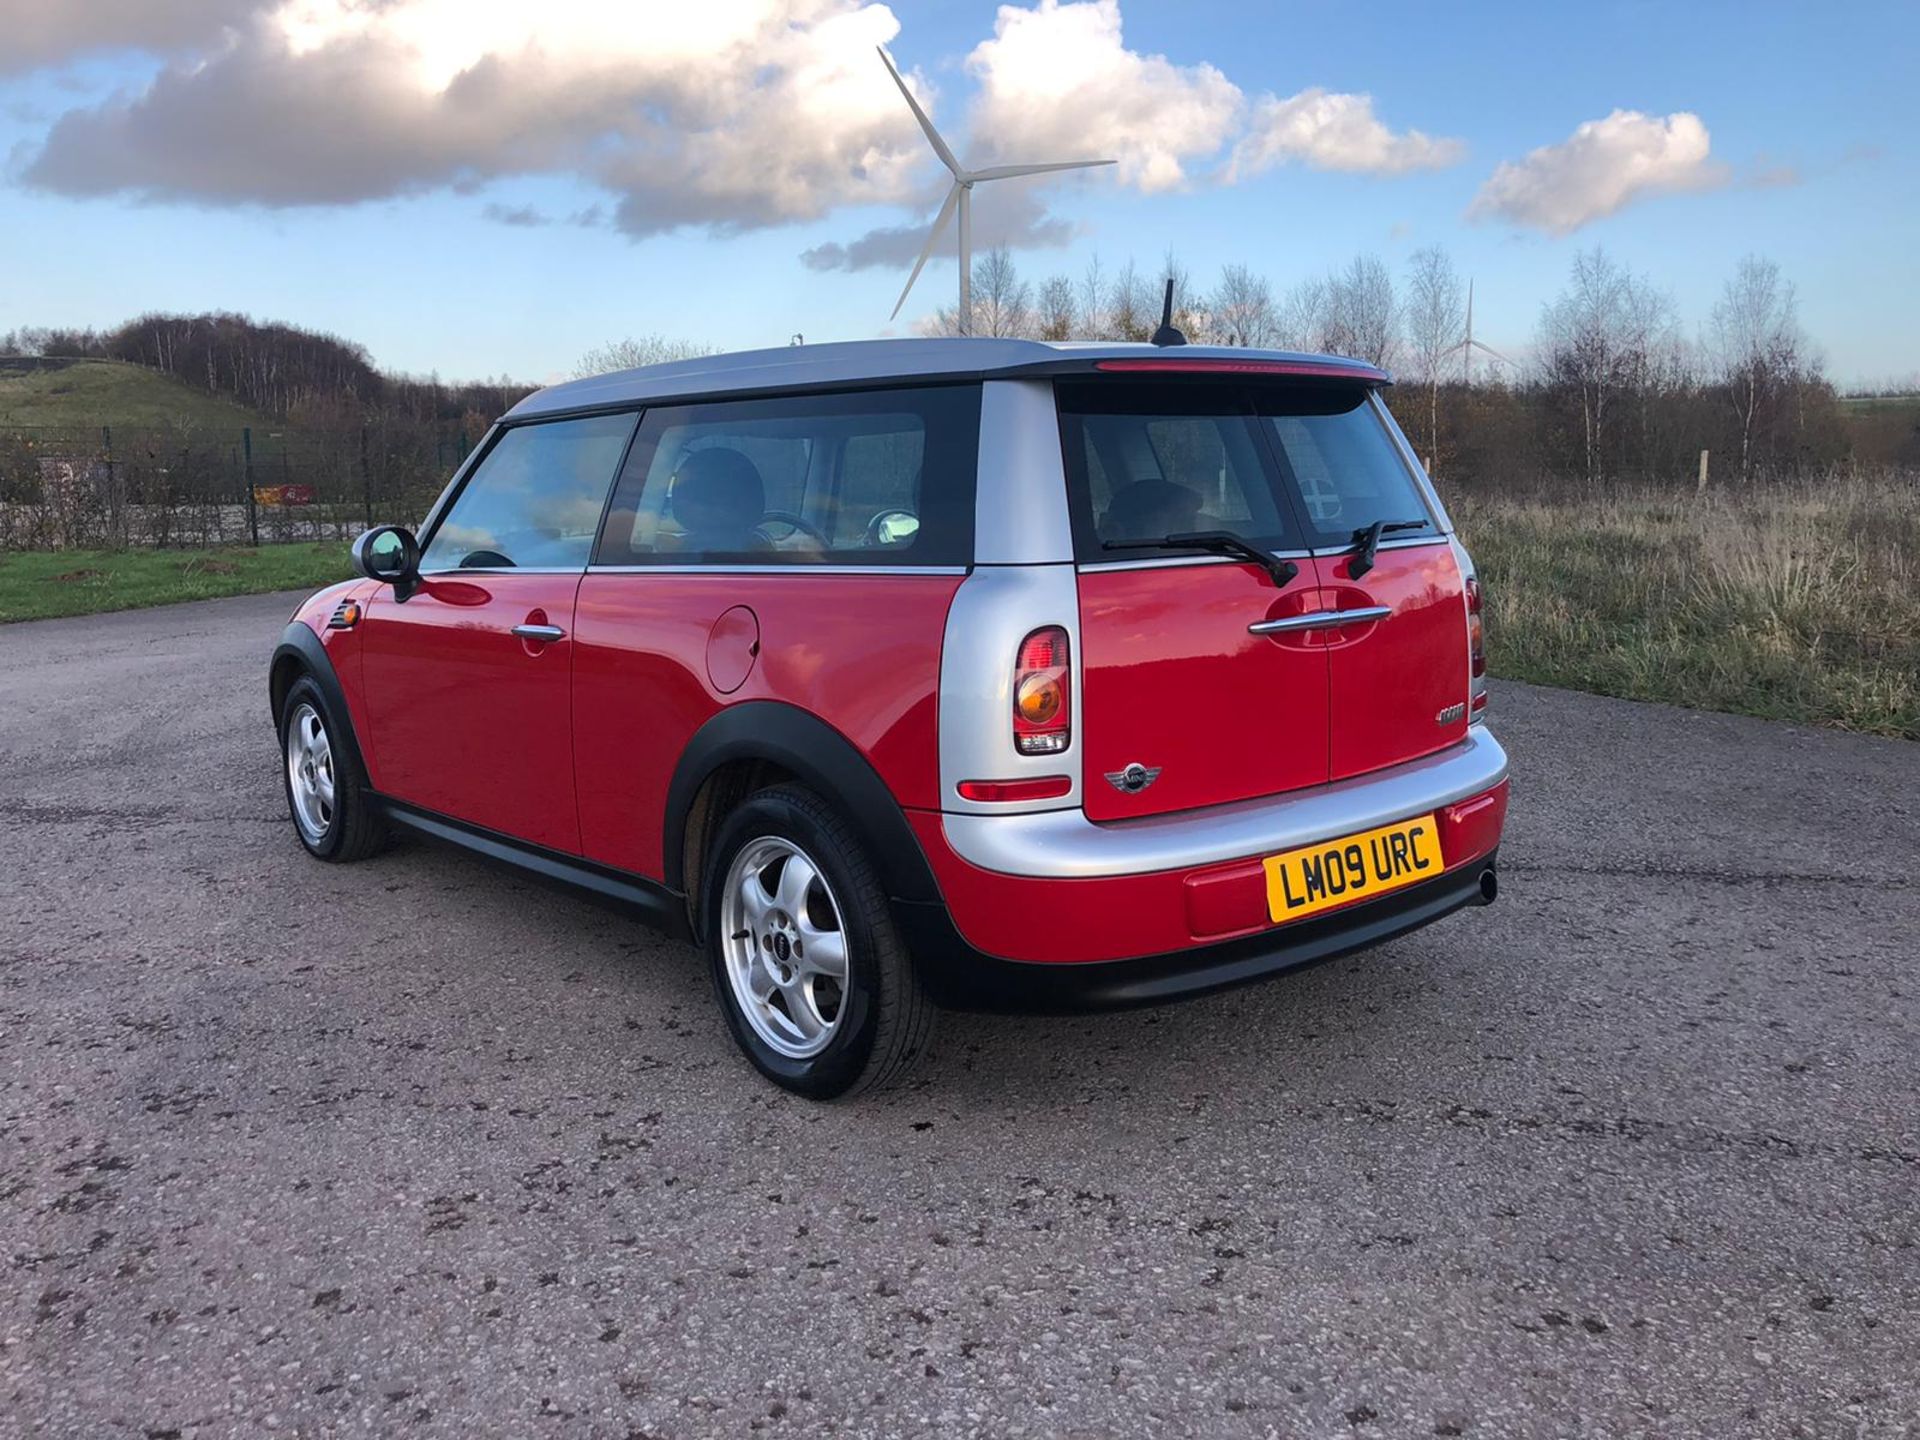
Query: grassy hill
<point>86,394</point>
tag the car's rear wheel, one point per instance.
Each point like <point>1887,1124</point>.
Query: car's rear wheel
<point>815,984</point>
<point>326,788</point>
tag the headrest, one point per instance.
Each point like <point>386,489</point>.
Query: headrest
<point>718,490</point>
<point>1148,509</point>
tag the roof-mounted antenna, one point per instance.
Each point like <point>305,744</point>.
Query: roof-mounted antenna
<point>1166,334</point>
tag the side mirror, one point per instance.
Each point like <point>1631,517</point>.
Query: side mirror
<point>389,554</point>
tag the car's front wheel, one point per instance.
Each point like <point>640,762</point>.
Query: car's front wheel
<point>326,788</point>
<point>816,986</point>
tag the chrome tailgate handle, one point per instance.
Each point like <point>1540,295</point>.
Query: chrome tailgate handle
<point>1321,620</point>
<point>540,632</point>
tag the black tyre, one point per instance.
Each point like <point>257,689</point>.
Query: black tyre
<point>810,973</point>
<point>326,788</point>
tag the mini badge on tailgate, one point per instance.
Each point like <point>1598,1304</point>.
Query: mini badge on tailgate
<point>1450,714</point>
<point>1134,778</point>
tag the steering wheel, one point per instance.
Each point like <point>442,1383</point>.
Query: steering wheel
<point>485,560</point>
<point>796,524</point>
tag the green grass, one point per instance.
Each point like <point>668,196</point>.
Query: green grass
<point>37,585</point>
<point>86,394</point>
<point>1796,603</point>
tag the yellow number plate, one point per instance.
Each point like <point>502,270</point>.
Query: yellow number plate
<point>1354,867</point>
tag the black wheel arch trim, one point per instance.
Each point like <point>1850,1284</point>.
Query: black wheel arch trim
<point>300,651</point>
<point>821,758</point>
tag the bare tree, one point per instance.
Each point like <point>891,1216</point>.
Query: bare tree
<point>1756,344</point>
<point>1243,312</point>
<point>631,354</point>
<point>1056,314</point>
<point>1300,323</point>
<point>1362,313</point>
<point>1093,301</point>
<point>1133,311</point>
<point>1436,317</point>
<point>1001,299</point>
<point>1609,337</point>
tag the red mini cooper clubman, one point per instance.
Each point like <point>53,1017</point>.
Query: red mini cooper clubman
<point>990,674</point>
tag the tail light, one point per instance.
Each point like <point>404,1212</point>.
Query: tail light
<point>1476,652</point>
<point>1476,634</point>
<point>1042,694</point>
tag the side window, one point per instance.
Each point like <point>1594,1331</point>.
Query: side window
<point>535,499</point>
<point>879,477</point>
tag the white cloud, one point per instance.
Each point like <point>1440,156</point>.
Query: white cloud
<point>1007,212</point>
<point>723,114</point>
<point>1329,131</point>
<point>1058,83</point>
<point>727,113</point>
<point>50,32</point>
<point>1603,166</point>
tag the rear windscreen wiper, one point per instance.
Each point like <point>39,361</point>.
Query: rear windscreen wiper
<point>1366,541</point>
<point>1220,542</point>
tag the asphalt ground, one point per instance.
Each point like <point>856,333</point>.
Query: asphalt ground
<point>416,1148</point>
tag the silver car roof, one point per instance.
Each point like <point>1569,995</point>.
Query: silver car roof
<point>860,362</point>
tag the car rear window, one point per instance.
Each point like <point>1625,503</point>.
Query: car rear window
<point>1285,466</point>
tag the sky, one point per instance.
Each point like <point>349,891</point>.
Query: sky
<point>477,188</point>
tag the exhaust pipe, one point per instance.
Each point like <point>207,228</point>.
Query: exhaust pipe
<point>1489,886</point>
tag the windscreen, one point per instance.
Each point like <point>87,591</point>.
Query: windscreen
<point>1285,467</point>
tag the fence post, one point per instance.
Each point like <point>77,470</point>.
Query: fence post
<point>1702,489</point>
<point>115,534</point>
<point>366,476</point>
<point>253,515</point>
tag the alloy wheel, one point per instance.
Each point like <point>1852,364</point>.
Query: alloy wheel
<point>785,946</point>
<point>310,778</point>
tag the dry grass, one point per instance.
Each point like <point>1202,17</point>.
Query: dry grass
<point>1796,602</point>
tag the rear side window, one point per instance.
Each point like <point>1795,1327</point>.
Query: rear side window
<point>881,477</point>
<point>535,498</point>
<point>1285,467</point>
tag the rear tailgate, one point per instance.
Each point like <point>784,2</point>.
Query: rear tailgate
<point>1187,704</point>
<point>1398,684</point>
<point>1184,706</point>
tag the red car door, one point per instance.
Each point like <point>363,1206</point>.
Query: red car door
<point>1201,687</point>
<point>803,550</point>
<point>1397,659</point>
<point>468,681</point>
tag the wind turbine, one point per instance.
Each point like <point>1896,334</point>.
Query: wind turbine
<point>960,196</point>
<point>1467,346</point>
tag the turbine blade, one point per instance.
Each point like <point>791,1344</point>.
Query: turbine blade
<point>1482,345</point>
<point>933,135</point>
<point>1007,172</point>
<point>933,239</point>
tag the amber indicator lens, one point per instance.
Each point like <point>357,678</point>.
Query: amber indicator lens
<point>1042,700</point>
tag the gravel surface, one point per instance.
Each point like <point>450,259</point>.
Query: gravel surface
<point>415,1148</point>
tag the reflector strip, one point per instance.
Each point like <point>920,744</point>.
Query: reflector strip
<point>1046,787</point>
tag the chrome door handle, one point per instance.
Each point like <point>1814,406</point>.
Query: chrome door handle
<point>542,633</point>
<point>1321,620</point>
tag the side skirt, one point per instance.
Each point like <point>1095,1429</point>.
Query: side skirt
<point>655,903</point>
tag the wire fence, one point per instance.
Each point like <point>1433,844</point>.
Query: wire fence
<point>105,487</point>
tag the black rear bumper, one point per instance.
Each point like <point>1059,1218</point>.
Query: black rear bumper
<point>962,978</point>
